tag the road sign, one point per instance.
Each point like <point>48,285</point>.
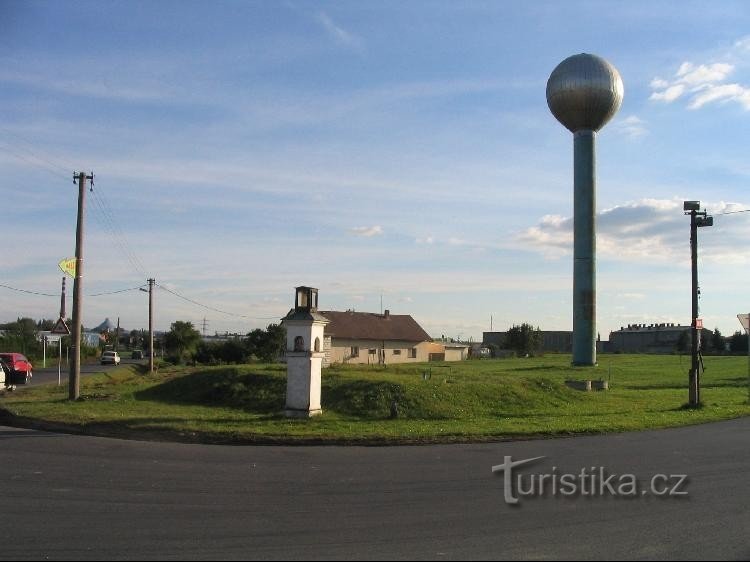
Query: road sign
<point>61,328</point>
<point>68,266</point>
<point>699,323</point>
<point>744,320</point>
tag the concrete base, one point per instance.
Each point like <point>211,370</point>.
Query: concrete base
<point>301,414</point>
<point>579,385</point>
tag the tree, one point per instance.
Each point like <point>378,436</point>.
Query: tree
<point>181,341</point>
<point>718,342</point>
<point>524,340</point>
<point>267,345</point>
<point>21,335</point>
<point>738,342</point>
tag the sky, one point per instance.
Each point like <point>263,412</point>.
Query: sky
<point>394,152</point>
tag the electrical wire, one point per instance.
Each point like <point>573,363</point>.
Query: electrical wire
<point>27,292</point>
<point>26,151</point>
<point>58,295</point>
<point>116,292</point>
<point>175,293</point>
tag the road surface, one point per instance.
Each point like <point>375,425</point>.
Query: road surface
<point>73,497</point>
<point>49,374</point>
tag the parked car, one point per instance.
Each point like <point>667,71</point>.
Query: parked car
<point>110,358</point>
<point>20,368</point>
<point>137,354</point>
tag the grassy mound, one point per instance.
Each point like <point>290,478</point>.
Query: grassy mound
<point>370,397</point>
<point>469,401</point>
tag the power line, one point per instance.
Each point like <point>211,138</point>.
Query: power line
<point>58,295</point>
<point>118,237</point>
<point>116,292</point>
<point>175,293</point>
<point>28,153</point>
<point>27,292</point>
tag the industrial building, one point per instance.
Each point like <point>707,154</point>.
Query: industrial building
<point>642,338</point>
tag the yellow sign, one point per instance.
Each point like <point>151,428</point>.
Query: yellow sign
<point>68,266</point>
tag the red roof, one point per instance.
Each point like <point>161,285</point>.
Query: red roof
<point>371,326</point>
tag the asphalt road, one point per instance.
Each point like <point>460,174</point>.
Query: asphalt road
<point>49,374</point>
<point>72,497</point>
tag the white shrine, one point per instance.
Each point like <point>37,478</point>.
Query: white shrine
<point>304,354</point>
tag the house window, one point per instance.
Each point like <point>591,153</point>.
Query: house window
<point>299,343</point>
<point>317,345</point>
<point>413,353</point>
<point>373,351</point>
<point>396,352</point>
<point>355,351</point>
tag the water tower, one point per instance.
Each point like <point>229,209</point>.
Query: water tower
<point>584,92</point>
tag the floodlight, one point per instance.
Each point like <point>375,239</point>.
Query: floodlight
<point>691,206</point>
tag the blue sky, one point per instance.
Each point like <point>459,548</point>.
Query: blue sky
<point>394,149</point>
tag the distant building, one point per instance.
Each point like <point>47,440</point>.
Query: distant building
<point>553,341</point>
<point>642,338</point>
<point>367,338</point>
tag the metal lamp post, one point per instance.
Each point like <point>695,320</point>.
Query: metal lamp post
<point>583,93</point>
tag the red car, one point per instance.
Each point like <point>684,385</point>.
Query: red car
<point>20,367</point>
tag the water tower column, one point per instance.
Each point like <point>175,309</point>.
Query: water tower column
<point>584,248</point>
<point>583,93</point>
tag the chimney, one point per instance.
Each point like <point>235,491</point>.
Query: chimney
<point>387,314</point>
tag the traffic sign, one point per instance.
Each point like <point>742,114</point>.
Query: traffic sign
<point>744,320</point>
<point>68,266</point>
<point>699,323</point>
<point>61,328</point>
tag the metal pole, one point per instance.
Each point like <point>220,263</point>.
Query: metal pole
<point>74,382</point>
<point>693,379</point>
<point>584,248</point>
<point>59,363</point>
<point>151,326</point>
<point>44,352</point>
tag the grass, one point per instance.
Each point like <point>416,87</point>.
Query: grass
<point>469,401</point>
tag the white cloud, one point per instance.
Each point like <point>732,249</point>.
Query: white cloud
<point>703,74</point>
<point>367,231</point>
<point>338,33</point>
<point>669,94</point>
<point>704,84</point>
<point>723,93</point>
<point>649,230</point>
<point>743,45</point>
<point>632,126</point>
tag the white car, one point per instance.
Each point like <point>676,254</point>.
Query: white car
<point>110,358</point>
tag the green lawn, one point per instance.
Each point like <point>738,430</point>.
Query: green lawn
<point>475,400</point>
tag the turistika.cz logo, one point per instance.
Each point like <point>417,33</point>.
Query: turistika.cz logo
<point>590,481</point>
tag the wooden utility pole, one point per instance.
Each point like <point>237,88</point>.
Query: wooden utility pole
<point>698,219</point>
<point>694,394</point>
<point>151,326</point>
<point>74,377</point>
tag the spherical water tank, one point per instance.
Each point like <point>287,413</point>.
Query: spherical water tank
<point>584,92</point>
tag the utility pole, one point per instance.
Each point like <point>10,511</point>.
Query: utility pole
<point>117,334</point>
<point>697,219</point>
<point>59,341</point>
<point>74,377</point>
<point>205,325</point>
<point>151,326</point>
